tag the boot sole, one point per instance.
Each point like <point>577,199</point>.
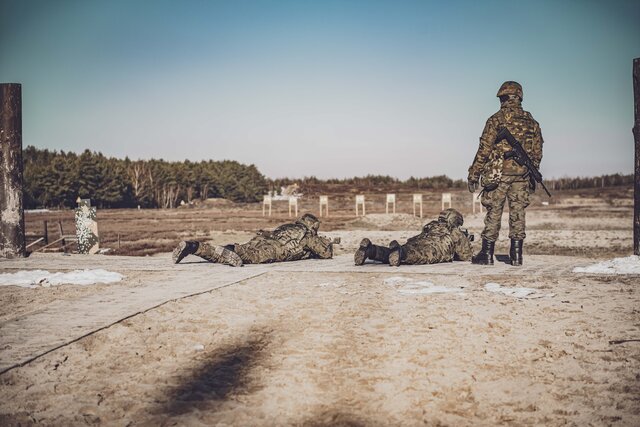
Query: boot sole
<point>360,256</point>
<point>361,253</point>
<point>394,259</point>
<point>178,253</point>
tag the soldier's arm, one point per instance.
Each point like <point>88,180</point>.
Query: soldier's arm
<point>484,150</point>
<point>320,246</point>
<point>536,149</point>
<point>462,246</point>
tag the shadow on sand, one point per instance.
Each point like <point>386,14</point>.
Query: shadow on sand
<point>504,259</point>
<point>226,373</point>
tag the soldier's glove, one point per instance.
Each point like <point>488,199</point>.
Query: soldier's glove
<point>473,185</point>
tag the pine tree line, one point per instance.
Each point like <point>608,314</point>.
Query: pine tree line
<point>56,179</point>
<point>612,180</point>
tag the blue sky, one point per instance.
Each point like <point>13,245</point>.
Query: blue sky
<point>324,88</point>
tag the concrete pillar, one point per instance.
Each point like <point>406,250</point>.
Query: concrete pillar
<point>636,134</point>
<point>12,237</point>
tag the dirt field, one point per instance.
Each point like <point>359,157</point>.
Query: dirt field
<point>326,343</point>
<point>592,223</point>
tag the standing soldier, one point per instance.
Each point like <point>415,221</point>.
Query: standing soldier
<point>502,178</point>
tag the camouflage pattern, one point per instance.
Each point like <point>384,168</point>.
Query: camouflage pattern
<point>516,190</point>
<point>288,242</point>
<point>489,163</point>
<point>439,241</point>
<point>510,88</point>
<point>504,179</point>
<point>452,217</point>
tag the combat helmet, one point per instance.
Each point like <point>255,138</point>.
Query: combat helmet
<point>310,221</point>
<point>452,217</point>
<point>510,88</point>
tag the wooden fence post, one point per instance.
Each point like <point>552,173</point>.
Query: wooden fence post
<point>636,134</point>
<point>12,236</point>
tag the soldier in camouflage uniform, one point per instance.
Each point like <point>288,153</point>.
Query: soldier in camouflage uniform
<point>288,242</point>
<point>503,179</point>
<point>440,241</point>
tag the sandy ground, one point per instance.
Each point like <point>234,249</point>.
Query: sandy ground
<point>326,343</point>
<point>295,348</point>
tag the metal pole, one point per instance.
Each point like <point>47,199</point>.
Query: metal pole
<point>12,237</point>
<point>636,134</point>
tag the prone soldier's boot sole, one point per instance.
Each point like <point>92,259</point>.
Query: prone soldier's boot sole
<point>361,253</point>
<point>225,256</point>
<point>395,258</point>
<point>180,252</point>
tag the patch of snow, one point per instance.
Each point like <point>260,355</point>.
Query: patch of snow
<point>329,284</point>
<point>628,265</point>
<point>396,280</point>
<point>198,347</point>
<point>515,292</point>
<point>43,278</point>
<point>412,287</point>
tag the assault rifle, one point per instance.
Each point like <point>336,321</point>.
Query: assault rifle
<point>521,157</point>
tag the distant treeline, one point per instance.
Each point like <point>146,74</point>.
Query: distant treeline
<point>369,183</point>
<point>57,178</point>
<point>613,180</point>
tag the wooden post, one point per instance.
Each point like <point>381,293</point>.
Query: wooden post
<point>12,237</point>
<point>46,232</point>
<point>64,242</point>
<point>636,134</point>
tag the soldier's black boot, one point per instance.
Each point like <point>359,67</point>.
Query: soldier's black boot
<point>362,252</point>
<point>396,254</point>
<point>485,256</point>
<point>183,249</point>
<point>515,253</point>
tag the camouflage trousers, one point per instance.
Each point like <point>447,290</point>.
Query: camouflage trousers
<point>256,251</point>
<point>425,253</point>
<point>515,190</point>
<point>412,253</point>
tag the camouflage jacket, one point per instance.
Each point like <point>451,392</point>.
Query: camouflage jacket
<point>489,163</point>
<point>295,241</point>
<point>449,244</point>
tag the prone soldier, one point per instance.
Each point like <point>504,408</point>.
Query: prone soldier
<point>502,176</point>
<point>288,242</point>
<point>440,241</point>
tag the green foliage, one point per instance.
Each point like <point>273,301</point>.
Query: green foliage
<point>56,179</point>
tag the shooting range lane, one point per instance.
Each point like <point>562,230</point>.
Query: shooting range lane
<point>30,335</point>
<point>33,334</point>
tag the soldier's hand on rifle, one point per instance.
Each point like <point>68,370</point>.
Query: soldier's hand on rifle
<point>473,185</point>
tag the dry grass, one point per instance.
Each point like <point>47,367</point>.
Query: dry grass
<point>147,232</point>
